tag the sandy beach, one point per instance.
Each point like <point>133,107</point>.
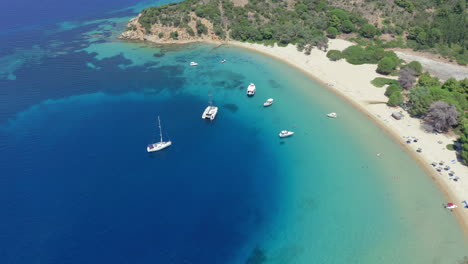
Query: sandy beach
<point>352,82</point>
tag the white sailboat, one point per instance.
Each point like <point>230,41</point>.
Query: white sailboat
<point>159,145</point>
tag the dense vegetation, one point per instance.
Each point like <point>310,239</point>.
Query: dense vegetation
<point>442,105</point>
<point>438,26</point>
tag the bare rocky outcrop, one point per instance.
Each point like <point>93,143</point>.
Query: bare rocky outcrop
<point>159,33</point>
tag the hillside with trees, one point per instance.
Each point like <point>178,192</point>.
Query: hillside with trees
<point>437,26</point>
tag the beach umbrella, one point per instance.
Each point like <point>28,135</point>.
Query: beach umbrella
<point>450,204</point>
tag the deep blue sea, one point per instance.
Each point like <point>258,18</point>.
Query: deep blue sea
<point>78,107</point>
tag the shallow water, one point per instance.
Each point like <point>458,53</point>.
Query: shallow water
<point>78,186</point>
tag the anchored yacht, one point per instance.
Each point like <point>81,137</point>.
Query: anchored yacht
<point>159,145</point>
<point>285,133</point>
<point>251,89</point>
<point>210,112</point>
<point>268,102</point>
<point>332,115</point>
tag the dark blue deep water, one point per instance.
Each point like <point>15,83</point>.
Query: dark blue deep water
<point>76,183</point>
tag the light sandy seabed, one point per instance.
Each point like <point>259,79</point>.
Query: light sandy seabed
<point>353,83</point>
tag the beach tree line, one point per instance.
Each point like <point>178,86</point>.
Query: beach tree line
<point>442,105</point>
<point>438,26</point>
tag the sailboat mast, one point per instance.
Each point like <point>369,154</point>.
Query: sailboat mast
<point>210,98</point>
<point>160,131</point>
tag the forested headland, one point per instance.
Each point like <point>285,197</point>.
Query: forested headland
<point>437,26</point>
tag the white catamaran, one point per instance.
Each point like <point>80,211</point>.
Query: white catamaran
<point>159,145</point>
<point>210,111</point>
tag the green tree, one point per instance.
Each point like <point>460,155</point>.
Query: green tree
<point>428,81</point>
<point>386,65</point>
<point>347,27</point>
<point>174,35</point>
<point>391,89</point>
<point>422,38</point>
<point>396,99</point>
<point>452,85</point>
<point>201,28</point>
<point>334,55</point>
<point>413,32</point>
<point>190,31</point>
<point>420,99</point>
<point>334,21</point>
<point>332,32</point>
<point>416,66</point>
<point>368,31</point>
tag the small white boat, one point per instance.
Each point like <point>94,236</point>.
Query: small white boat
<point>268,102</point>
<point>223,61</point>
<point>192,63</point>
<point>332,115</point>
<point>251,89</point>
<point>451,206</point>
<point>210,112</point>
<point>285,133</point>
<point>159,145</point>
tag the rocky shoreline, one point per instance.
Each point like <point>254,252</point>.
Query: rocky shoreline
<point>161,34</point>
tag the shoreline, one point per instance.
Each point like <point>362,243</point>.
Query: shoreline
<point>421,158</point>
<point>352,84</point>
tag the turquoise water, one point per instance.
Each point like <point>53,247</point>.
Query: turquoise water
<point>79,186</point>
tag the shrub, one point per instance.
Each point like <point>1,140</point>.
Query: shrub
<point>368,31</point>
<point>441,116</point>
<point>332,32</point>
<point>420,98</point>
<point>174,35</point>
<point>428,81</point>
<point>347,27</point>
<point>386,65</point>
<point>371,54</point>
<point>391,89</point>
<point>161,35</point>
<point>334,55</point>
<point>190,31</point>
<point>396,99</point>
<point>450,146</point>
<point>407,78</point>
<point>381,81</point>
<point>201,28</point>
<point>416,66</point>
<point>406,4</point>
<point>452,85</point>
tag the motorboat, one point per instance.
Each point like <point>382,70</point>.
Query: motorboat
<point>285,133</point>
<point>451,206</point>
<point>192,63</point>
<point>223,61</point>
<point>251,89</point>
<point>332,115</point>
<point>158,145</point>
<point>210,112</point>
<point>268,102</point>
